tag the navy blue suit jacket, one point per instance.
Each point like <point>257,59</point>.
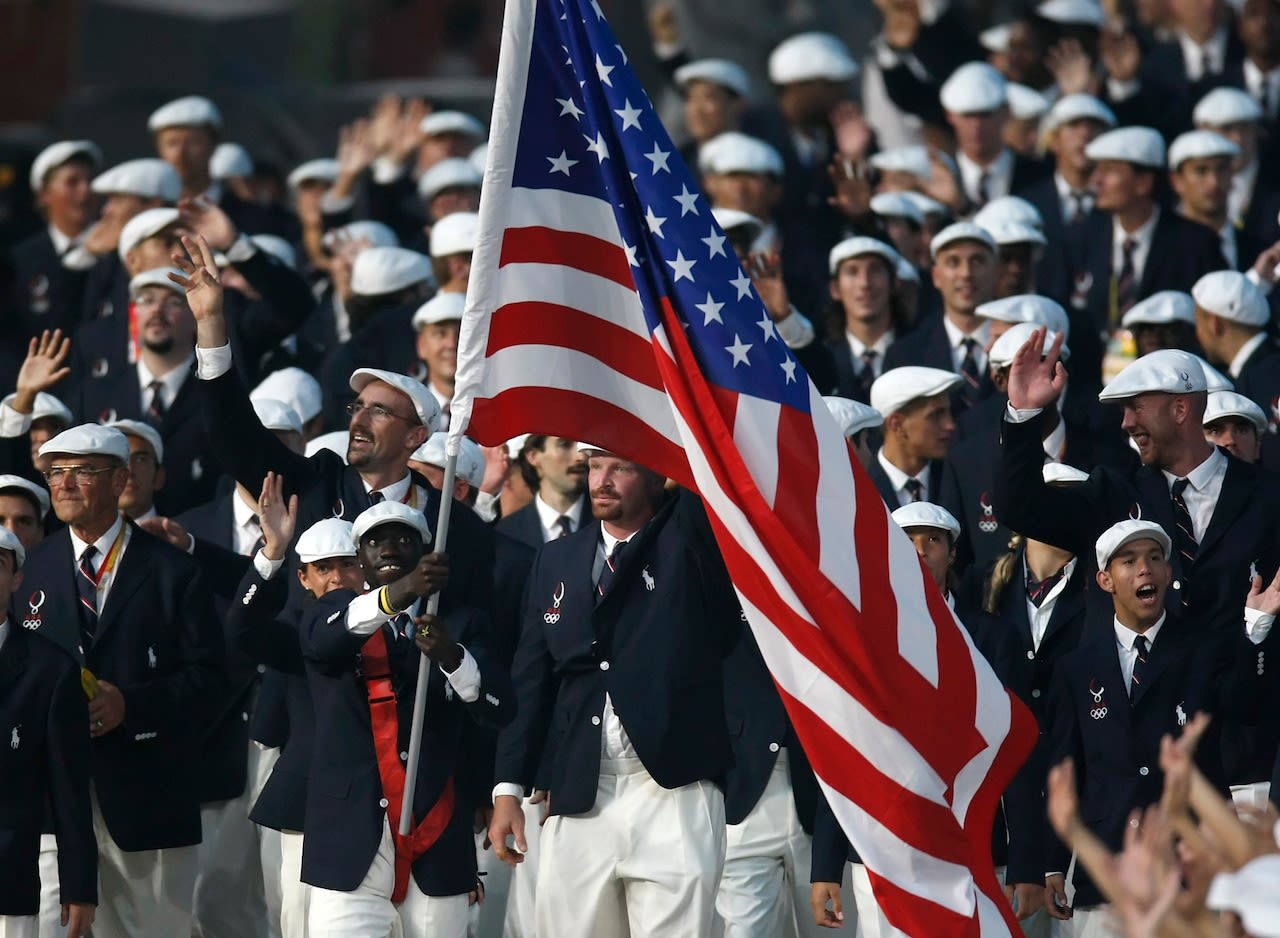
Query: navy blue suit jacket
<point>46,294</point>
<point>525,526</point>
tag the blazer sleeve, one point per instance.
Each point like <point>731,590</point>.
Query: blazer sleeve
<point>495,704</point>
<point>322,630</point>
<point>254,626</point>
<point>223,568</point>
<point>68,770</point>
<point>1064,740</point>
<point>521,743</point>
<point>285,305</point>
<point>831,848</point>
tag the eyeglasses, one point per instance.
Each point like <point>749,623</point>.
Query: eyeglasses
<point>82,474</point>
<point>376,412</point>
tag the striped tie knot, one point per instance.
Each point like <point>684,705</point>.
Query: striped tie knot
<point>914,488</point>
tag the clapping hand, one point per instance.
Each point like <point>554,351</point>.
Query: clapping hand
<point>277,516</point>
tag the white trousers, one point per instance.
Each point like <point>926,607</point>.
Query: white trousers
<point>142,894</point>
<point>764,892</point>
<point>644,861</point>
<point>871,922</point>
<point>295,895</point>
<point>1093,922</point>
<point>484,920</point>
<point>229,866</point>
<point>50,918</point>
<point>367,912</point>
<point>261,761</point>
<point>20,926</point>
<point>521,917</point>
<point>1255,795</point>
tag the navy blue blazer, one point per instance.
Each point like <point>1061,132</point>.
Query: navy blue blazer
<point>890,495</point>
<point>929,346</point>
<point>1259,379</point>
<point>346,810</point>
<point>525,526</point>
<point>46,294</point>
<point>44,760</point>
<point>157,639</point>
<point>655,643</point>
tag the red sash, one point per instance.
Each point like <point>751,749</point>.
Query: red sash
<point>386,742</point>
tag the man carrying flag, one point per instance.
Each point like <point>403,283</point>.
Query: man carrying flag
<point>606,305</point>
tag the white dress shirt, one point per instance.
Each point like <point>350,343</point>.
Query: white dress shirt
<point>442,401</point>
<point>1242,183</point>
<point>614,741</point>
<point>898,479</point>
<point>549,517</point>
<point>999,175</point>
<point>1039,616</point>
<point>1125,638</point>
<point>1065,201</point>
<point>1210,57</point>
<point>103,544</point>
<point>880,346</point>
<point>1201,494</point>
<point>956,337</point>
<point>397,491</point>
<point>1142,246</point>
<point>245,529</point>
<point>1264,86</point>
<point>171,382</point>
<point>1242,356</point>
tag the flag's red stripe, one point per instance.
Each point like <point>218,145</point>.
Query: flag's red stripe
<point>914,915</point>
<point>538,323</point>
<point>538,245</point>
<point>796,498</point>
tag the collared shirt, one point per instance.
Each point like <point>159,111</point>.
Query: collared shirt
<point>1039,616</point>
<point>1264,86</point>
<point>395,492</point>
<point>1242,356</point>
<point>1241,193</point>
<point>956,337</point>
<point>614,741</point>
<point>1125,638</point>
<point>442,401</point>
<point>71,251</point>
<point>1227,238</point>
<point>1142,245</point>
<point>1201,494</point>
<point>1056,441</point>
<point>1065,200</point>
<point>898,479</point>
<point>245,529</point>
<point>1210,57</point>
<point>103,544</point>
<point>549,517</point>
<point>4,633</point>
<point>365,616</point>
<point>999,175</point>
<point>880,346</point>
<point>171,382</point>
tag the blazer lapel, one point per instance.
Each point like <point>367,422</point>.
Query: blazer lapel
<point>1237,494</point>
<point>13,655</point>
<point>128,577</point>
<point>1168,647</point>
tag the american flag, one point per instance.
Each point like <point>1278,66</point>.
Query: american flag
<point>606,305</point>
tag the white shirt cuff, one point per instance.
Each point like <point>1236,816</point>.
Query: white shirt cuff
<point>332,204</point>
<point>1122,90</point>
<point>508,788</point>
<point>266,567</point>
<point>13,423</point>
<point>1262,283</point>
<point>1257,625</point>
<point>795,329</point>
<point>365,615</point>
<point>79,258</point>
<point>213,362</point>
<point>1017,415</point>
<point>486,506</point>
<point>241,250</point>
<point>386,171</point>
<point>465,679</point>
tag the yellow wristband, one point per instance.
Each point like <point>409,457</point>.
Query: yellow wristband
<point>384,602</point>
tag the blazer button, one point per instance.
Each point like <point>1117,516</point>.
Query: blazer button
<point>1031,656</point>
<point>404,757</point>
<point>595,721</point>
<point>382,803</point>
<point>604,666</point>
<point>1036,693</point>
<point>1177,584</point>
<point>262,669</point>
<point>774,747</point>
<point>1144,771</point>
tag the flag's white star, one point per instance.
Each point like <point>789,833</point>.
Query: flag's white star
<point>714,243</point>
<point>739,351</point>
<point>655,222</point>
<point>766,324</point>
<point>567,106</point>
<point>568,59</point>
<point>622,52</point>
<point>789,368</point>
<point>743,283</point>
<point>561,163</point>
<point>710,310</point>
<point>683,268</point>
<point>659,159</point>
<point>630,115</point>
<point>688,201</point>
<point>602,72</point>
<point>597,146</point>
<point>631,254</point>
<point>599,12</point>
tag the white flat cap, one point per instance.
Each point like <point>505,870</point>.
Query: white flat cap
<point>733,152</point>
<point>455,234</point>
<point>46,407</point>
<point>230,161</point>
<point>1232,404</point>
<point>278,248</point>
<point>375,232</point>
<point>960,231</point>
<point>191,111</point>
<point>1251,893</point>
<point>1079,107</point>
<point>1141,146</point>
<point>1072,12</point>
<point>453,172</point>
<point>927,204</point>
<point>852,416</point>
<point>276,415</point>
<point>156,277</point>
<point>810,57</point>
<point>443,307</point>
<point>1004,348</point>
<point>389,512</point>
<point>1006,209</point>
<point>385,270</point>
<point>1160,309</point>
<point>720,72</point>
<point>858,247</point>
<point>897,205</point>
<point>907,271</point>
<point>1012,232</point>
<point>296,388</point>
<point>1214,380</point>
<point>479,157</point>
<point>1059,473</point>
<point>515,444</point>
<point>144,225</point>
<point>1200,145</point>
<point>1166,371</point>
<point>142,430</point>
<point>730,218</point>
<point>452,122</point>
<point>38,492</point>
<point>1231,295</point>
<point>321,170</point>
<point>996,38</point>
<point>912,159</point>
<point>149,178</point>
<point>1224,106</point>
<point>1126,532</point>
<point>926,515</point>
<point>424,402</point>
<point>335,441</point>
<point>9,541</point>
<point>328,538</point>
<point>54,155</point>
<point>1027,307</point>
<point>974,88</point>
<point>88,439</point>
<point>470,466</point>
<point>897,387</point>
<point>1026,104</point>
